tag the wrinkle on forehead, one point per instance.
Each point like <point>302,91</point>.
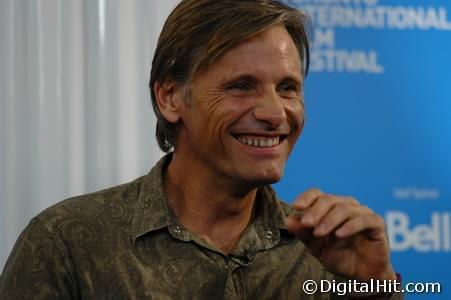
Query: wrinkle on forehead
<point>273,46</point>
<point>276,36</point>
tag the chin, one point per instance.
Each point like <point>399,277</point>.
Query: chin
<point>271,180</point>
<point>269,177</point>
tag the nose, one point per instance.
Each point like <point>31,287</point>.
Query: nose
<point>270,110</point>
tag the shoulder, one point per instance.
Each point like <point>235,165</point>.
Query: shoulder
<point>88,221</point>
<point>94,205</point>
<point>79,233</point>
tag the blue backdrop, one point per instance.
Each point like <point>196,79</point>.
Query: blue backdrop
<point>378,125</point>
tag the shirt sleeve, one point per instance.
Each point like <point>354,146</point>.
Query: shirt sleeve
<point>37,268</point>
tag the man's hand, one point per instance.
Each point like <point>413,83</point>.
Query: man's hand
<point>348,238</point>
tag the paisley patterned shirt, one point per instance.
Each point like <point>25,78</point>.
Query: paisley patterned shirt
<point>125,243</point>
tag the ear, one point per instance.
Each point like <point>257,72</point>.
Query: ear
<point>168,99</point>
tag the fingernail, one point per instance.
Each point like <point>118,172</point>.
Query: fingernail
<point>340,232</point>
<point>321,229</point>
<point>300,204</point>
<point>288,222</point>
<point>307,219</point>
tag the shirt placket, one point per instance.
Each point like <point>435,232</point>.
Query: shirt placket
<point>235,287</point>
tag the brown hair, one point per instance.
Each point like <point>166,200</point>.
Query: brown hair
<point>198,32</point>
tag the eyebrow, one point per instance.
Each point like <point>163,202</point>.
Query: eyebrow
<point>241,77</point>
<point>254,79</point>
<point>293,80</point>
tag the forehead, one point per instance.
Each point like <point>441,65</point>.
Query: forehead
<point>275,39</point>
<point>272,48</point>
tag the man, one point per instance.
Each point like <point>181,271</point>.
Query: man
<point>227,88</point>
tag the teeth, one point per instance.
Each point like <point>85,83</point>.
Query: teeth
<point>259,142</point>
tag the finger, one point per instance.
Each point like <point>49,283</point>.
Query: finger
<point>343,208</point>
<point>341,212</point>
<point>318,209</point>
<point>293,224</point>
<point>306,199</point>
<point>371,223</point>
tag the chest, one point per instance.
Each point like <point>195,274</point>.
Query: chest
<point>163,268</point>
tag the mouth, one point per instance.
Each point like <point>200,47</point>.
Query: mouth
<point>260,141</point>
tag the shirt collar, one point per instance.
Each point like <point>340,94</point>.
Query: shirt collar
<point>152,212</point>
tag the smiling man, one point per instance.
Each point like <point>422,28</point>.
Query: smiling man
<point>227,88</point>
<point>237,128</point>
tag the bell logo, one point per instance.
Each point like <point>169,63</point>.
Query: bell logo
<point>433,237</point>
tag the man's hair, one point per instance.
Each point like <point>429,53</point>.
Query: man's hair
<point>198,32</point>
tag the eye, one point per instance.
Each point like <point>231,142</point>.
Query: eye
<point>286,87</point>
<point>240,86</point>
<point>289,90</point>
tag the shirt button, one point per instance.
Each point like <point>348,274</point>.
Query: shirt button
<point>268,234</point>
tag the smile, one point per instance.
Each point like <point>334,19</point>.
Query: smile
<point>261,142</point>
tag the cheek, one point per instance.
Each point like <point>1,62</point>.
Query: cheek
<point>295,116</point>
<point>214,120</point>
<point>228,112</point>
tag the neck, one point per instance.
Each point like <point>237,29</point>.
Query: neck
<point>211,209</point>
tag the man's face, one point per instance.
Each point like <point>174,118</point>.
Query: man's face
<point>246,111</point>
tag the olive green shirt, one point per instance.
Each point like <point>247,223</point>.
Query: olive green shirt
<point>125,243</point>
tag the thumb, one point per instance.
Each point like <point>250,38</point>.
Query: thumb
<point>304,234</point>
